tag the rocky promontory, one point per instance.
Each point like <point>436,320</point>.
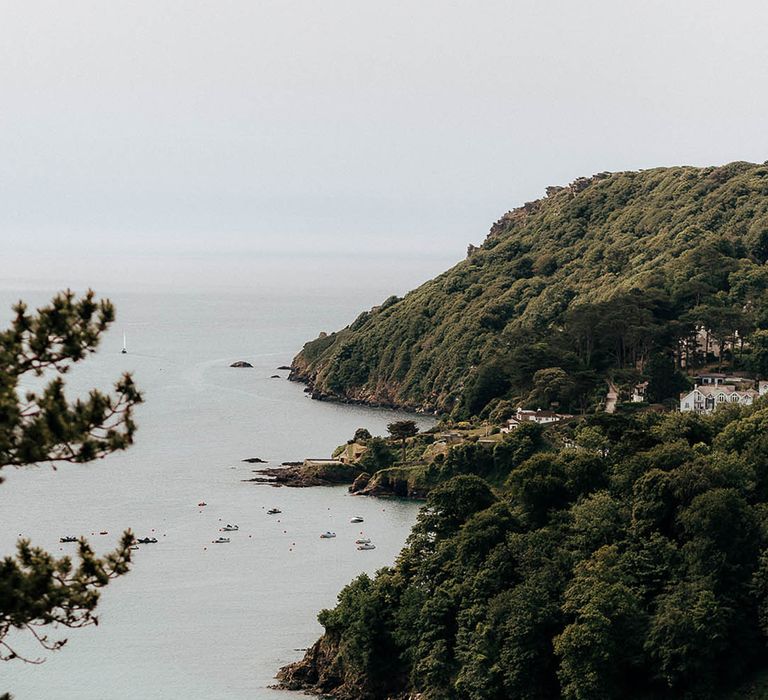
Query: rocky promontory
<point>321,472</point>
<point>321,672</point>
<point>394,482</point>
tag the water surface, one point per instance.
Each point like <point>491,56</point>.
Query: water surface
<point>194,619</point>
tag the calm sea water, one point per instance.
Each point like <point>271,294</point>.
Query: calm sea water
<point>193,619</point>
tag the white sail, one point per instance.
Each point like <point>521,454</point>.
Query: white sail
<point>125,347</point>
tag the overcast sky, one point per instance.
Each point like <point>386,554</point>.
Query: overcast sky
<point>159,131</point>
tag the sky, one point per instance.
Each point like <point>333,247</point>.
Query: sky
<point>204,144</point>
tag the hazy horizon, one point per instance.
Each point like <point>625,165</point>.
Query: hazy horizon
<point>204,145</point>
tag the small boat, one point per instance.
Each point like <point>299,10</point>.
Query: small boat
<point>327,535</point>
<point>147,540</point>
<point>202,503</point>
<point>366,545</point>
<point>357,519</point>
<point>69,538</point>
<point>221,540</point>
<point>362,541</point>
<point>103,532</point>
<point>125,347</point>
<point>133,546</point>
<point>230,528</point>
<point>274,511</point>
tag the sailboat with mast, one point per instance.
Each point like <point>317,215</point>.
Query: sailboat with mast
<point>125,346</point>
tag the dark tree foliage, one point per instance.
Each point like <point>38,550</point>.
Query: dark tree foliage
<point>377,456</point>
<point>402,430</point>
<point>362,435</point>
<point>664,381</point>
<point>637,569</point>
<point>38,590</point>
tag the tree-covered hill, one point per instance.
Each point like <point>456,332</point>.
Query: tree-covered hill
<point>608,276</point>
<point>636,570</point>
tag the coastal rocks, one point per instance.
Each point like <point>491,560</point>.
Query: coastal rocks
<point>242,363</point>
<point>285,367</point>
<point>275,376</point>
<point>255,460</point>
<point>321,672</point>
<point>360,482</point>
<point>383,395</point>
<point>394,483</point>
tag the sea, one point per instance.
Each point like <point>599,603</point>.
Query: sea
<point>194,619</point>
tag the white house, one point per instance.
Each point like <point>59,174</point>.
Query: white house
<point>704,399</point>
<point>537,416</point>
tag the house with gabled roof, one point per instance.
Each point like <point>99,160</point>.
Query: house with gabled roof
<point>706,398</point>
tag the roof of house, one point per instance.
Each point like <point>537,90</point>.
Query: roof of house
<point>722,389</point>
<point>537,412</point>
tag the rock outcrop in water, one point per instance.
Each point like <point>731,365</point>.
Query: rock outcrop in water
<point>308,473</point>
<point>242,363</point>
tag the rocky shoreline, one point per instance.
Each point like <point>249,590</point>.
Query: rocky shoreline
<point>302,375</point>
<point>321,673</point>
<point>301,475</point>
<point>361,483</point>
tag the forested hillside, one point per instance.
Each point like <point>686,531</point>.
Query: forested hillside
<point>610,276</point>
<point>635,569</point>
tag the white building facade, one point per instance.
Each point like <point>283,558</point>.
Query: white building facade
<point>538,416</point>
<point>706,398</point>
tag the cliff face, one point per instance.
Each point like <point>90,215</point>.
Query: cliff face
<point>660,239</point>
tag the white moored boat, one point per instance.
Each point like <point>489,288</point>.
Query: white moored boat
<point>327,535</point>
<point>357,519</point>
<point>363,541</point>
<point>221,540</point>
<point>366,545</point>
<point>230,528</point>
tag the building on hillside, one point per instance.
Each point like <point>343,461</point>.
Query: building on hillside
<point>352,453</point>
<point>538,416</point>
<point>711,379</point>
<point>706,398</point>
<point>312,462</point>
<point>450,437</point>
<point>638,392</point>
<point>718,379</point>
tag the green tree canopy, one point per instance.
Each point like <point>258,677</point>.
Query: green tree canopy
<point>631,565</point>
